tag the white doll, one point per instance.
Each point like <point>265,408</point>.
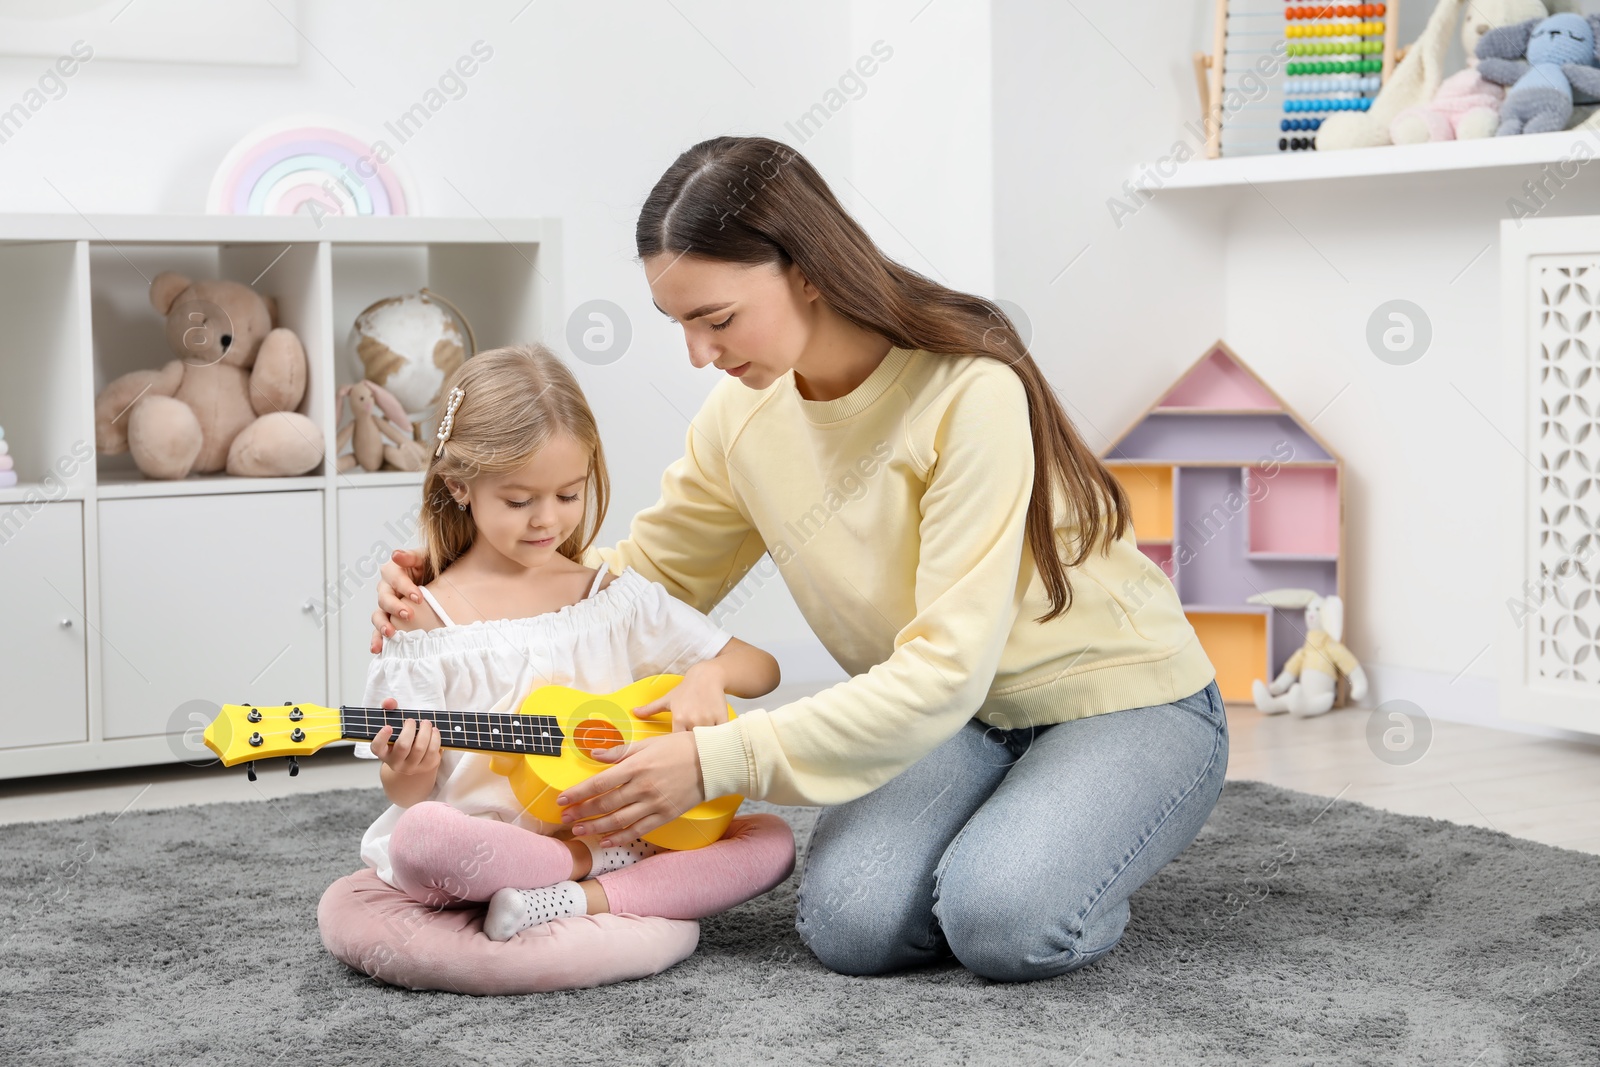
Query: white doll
<point>1310,678</point>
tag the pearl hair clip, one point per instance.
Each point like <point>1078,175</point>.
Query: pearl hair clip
<point>448,422</point>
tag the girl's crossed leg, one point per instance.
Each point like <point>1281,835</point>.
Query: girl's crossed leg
<point>444,858</point>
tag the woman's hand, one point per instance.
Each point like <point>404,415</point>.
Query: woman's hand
<point>396,587</point>
<point>700,699</point>
<point>654,781</point>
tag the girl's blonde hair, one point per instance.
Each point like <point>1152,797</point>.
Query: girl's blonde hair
<point>514,401</point>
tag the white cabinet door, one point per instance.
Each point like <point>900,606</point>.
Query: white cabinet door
<point>209,598</point>
<point>373,522</point>
<point>42,625</point>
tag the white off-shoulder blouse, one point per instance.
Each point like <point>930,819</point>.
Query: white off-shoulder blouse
<point>631,629</point>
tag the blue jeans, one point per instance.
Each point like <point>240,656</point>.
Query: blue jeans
<point>1015,851</point>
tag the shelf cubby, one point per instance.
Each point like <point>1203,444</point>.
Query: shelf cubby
<point>1294,511</point>
<point>129,334</point>
<point>484,281</point>
<point>1207,436</point>
<point>49,426</point>
<point>1240,643</point>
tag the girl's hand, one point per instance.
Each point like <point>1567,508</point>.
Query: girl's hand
<point>698,700</point>
<point>411,765</point>
<point>654,781</point>
<point>396,587</point>
<point>415,751</point>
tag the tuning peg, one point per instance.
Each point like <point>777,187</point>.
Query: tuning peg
<point>250,770</point>
<point>294,766</point>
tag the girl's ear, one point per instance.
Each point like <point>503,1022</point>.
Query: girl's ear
<point>457,490</point>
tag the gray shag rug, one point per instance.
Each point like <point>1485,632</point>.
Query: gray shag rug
<point>1294,930</point>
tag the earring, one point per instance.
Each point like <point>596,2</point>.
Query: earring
<point>461,505</point>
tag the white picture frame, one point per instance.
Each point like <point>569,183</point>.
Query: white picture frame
<point>154,31</point>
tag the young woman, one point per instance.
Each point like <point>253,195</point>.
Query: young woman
<point>1031,730</point>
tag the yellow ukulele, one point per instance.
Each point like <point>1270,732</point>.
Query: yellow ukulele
<point>542,747</point>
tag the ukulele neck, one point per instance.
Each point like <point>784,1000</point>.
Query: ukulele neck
<point>477,731</point>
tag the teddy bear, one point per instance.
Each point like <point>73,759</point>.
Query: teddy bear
<point>1549,64</point>
<point>1420,72</point>
<point>375,414</point>
<point>226,403</point>
<point>1310,680</point>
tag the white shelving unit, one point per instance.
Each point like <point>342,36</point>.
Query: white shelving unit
<point>131,605</point>
<point>1571,148</point>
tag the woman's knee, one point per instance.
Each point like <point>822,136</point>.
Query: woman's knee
<point>1013,938</point>
<point>848,943</point>
<point>851,930</point>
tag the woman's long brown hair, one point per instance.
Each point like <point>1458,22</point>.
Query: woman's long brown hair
<point>752,200</point>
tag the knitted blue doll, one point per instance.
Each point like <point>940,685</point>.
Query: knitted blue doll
<point>1561,65</point>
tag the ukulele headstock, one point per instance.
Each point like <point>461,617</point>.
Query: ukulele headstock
<point>242,732</point>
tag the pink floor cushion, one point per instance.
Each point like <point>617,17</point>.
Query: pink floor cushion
<point>378,930</point>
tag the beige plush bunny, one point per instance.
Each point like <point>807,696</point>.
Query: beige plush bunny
<point>375,414</point>
<point>1309,682</point>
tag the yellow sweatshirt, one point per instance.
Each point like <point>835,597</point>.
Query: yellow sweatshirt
<point>896,515</point>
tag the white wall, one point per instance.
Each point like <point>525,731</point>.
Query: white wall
<point>1085,95</point>
<point>575,115</point>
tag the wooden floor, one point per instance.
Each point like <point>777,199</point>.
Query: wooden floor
<point>1527,786</point>
<point>1523,785</point>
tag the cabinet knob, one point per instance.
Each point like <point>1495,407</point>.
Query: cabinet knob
<point>66,622</point>
<point>309,606</point>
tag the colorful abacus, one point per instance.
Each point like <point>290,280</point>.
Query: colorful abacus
<point>1339,55</point>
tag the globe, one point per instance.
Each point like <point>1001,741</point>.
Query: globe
<point>409,344</point>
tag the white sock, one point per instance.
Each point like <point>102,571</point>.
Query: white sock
<point>512,911</point>
<point>617,856</point>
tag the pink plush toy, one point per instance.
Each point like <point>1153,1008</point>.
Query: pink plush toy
<point>227,402</point>
<point>1466,107</point>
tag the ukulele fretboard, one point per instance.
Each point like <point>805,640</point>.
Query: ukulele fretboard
<point>484,731</point>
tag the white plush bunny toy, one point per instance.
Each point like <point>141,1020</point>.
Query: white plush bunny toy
<point>1309,682</point>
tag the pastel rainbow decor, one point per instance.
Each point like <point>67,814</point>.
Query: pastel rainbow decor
<point>308,166</point>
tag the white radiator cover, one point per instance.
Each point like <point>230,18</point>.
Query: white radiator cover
<point>1550,626</point>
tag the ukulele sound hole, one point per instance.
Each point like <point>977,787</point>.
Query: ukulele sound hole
<point>596,733</point>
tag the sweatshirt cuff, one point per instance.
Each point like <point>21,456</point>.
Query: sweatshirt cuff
<point>724,768</point>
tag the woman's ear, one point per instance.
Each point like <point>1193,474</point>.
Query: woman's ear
<point>801,283</point>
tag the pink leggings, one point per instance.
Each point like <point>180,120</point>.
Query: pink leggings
<point>444,858</point>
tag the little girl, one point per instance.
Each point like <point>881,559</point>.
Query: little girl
<point>515,492</point>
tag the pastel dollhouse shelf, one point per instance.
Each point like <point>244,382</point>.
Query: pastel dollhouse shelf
<point>1234,494</point>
